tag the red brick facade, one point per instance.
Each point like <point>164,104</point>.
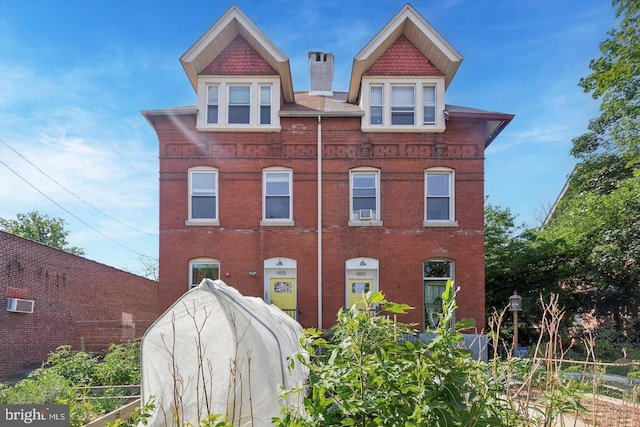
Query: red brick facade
<point>399,244</point>
<point>77,302</point>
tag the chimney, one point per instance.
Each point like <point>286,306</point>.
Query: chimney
<point>321,70</point>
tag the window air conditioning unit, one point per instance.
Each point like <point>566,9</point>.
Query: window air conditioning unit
<point>366,213</point>
<point>17,305</point>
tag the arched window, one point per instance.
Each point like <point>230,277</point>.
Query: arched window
<point>203,196</point>
<point>439,190</point>
<point>436,273</point>
<point>364,195</point>
<point>203,268</point>
<point>277,196</point>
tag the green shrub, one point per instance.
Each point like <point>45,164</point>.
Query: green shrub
<point>42,386</point>
<point>77,367</point>
<point>121,365</point>
<point>366,373</point>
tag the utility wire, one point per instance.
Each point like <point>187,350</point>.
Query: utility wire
<point>74,195</point>
<point>73,215</point>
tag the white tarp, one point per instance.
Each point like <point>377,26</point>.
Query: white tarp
<point>215,351</point>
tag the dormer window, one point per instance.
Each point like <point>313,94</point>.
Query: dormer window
<point>212,103</point>
<point>265,105</point>
<point>376,105</point>
<point>429,104</point>
<point>238,103</point>
<point>403,104</point>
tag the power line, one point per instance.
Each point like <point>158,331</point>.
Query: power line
<point>73,215</point>
<point>74,195</point>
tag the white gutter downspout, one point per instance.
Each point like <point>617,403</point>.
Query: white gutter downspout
<point>319,222</point>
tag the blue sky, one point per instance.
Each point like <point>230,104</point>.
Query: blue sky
<point>74,75</point>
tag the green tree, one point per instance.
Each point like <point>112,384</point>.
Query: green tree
<point>613,137</point>
<point>40,228</point>
<point>597,224</point>
<point>601,233</point>
<point>517,259</point>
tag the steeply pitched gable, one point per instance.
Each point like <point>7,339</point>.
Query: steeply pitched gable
<point>403,58</point>
<point>239,58</point>
<point>422,35</point>
<point>232,24</point>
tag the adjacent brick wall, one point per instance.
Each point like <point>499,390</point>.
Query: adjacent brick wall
<point>401,245</point>
<point>76,301</point>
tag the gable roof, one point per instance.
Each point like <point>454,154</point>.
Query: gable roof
<point>410,23</point>
<point>223,32</point>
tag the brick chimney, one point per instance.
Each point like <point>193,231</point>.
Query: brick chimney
<point>321,71</point>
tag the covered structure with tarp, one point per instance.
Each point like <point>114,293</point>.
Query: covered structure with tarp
<point>215,351</point>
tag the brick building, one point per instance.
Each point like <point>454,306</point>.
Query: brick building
<point>50,297</point>
<point>309,199</point>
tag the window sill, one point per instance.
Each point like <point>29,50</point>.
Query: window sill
<point>238,128</point>
<point>202,222</point>
<point>440,224</point>
<point>277,223</point>
<point>415,128</point>
<point>359,223</point>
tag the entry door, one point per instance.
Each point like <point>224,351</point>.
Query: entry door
<point>283,295</point>
<point>355,290</point>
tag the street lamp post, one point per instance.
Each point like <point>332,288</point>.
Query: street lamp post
<point>515,305</point>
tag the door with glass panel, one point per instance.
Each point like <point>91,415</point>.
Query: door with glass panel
<point>282,292</point>
<point>436,275</point>
<point>356,288</point>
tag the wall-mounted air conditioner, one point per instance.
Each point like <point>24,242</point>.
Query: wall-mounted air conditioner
<point>17,305</point>
<point>366,214</point>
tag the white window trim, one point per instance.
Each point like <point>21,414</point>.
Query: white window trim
<point>223,83</point>
<point>451,222</point>
<point>265,104</point>
<point>276,222</point>
<point>353,222</point>
<point>452,275</point>
<point>418,83</point>
<point>203,221</point>
<point>201,261</point>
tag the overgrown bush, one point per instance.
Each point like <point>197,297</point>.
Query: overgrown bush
<point>76,366</point>
<point>121,365</point>
<point>369,373</point>
<point>66,372</point>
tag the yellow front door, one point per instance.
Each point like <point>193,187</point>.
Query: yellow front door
<point>283,295</point>
<point>355,290</point>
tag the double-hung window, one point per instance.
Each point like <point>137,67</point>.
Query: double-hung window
<point>213,100</point>
<point>376,104</point>
<point>365,197</point>
<point>436,273</point>
<point>429,105</point>
<point>277,206</point>
<point>203,268</point>
<point>239,104</point>
<point>439,197</point>
<point>410,104</point>
<point>402,104</point>
<point>203,196</point>
<point>265,105</point>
